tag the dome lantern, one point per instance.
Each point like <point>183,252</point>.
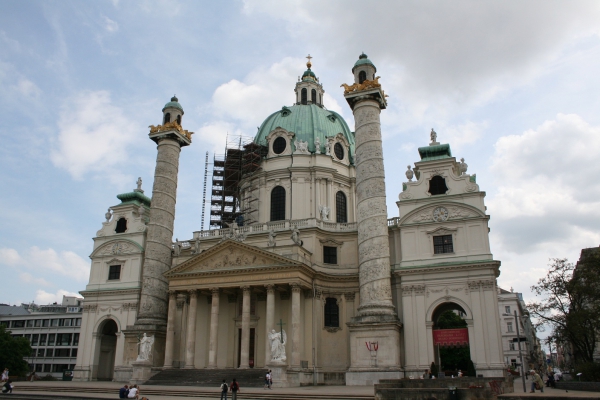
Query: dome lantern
<point>308,89</point>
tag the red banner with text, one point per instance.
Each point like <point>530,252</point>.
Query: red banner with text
<point>451,337</point>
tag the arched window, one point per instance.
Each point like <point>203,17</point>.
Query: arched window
<point>341,214</point>
<point>278,203</point>
<point>362,76</point>
<point>313,96</point>
<point>167,118</point>
<point>121,225</point>
<point>332,313</point>
<point>437,185</point>
<point>179,119</point>
<point>303,96</point>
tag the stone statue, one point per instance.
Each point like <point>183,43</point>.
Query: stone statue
<point>108,215</point>
<point>301,147</point>
<point>296,236</point>
<point>433,136</point>
<point>139,184</point>
<point>409,173</point>
<point>462,166</point>
<point>324,210</point>
<point>141,211</point>
<point>145,349</point>
<point>317,145</point>
<point>328,146</point>
<point>197,245</point>
<point>278,345</point>
<point>177,248</point>
<point>272,235</point>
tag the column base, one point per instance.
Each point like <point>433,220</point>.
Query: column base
<point>374,346</point>
<point>142,371</point>
<point>279,375</point>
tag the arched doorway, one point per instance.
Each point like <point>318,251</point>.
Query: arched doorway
<point>451,338</point>
<point>108,349</point>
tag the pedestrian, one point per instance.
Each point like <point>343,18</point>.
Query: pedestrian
<point>124,392</point>
<point>5,375</point>
<point>134,392</point>
<point>270,379</point>
<point>235,388</point>
<point>7,387</point>
<point>224,389</point>
<point>460,374</point>
<point>536,382</point>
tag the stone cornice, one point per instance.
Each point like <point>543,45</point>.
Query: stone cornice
<point>109,292</point>
<point>447,268</point>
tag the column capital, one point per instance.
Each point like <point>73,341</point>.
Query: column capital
<point>214,291</point>
<point>245,289</point>
<point>270,289</point>
<point>295,287</point>
<point>172,294</point>
<point>193,292</point>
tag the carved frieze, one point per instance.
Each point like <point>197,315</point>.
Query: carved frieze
<point>444,213</point>
<point>117,248</point>
<point>408,290</point>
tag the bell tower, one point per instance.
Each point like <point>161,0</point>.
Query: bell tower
<point>308,89</point>
<point>377,322</point>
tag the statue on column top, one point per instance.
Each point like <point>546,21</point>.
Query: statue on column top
<point>433,136</point>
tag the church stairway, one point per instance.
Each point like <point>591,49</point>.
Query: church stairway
<point>251,377</point>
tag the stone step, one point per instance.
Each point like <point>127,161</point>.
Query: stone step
<point>252,377</point>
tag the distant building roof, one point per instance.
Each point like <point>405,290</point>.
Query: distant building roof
<point>12,310</point>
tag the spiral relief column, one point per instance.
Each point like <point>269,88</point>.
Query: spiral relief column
<point>377,320</point>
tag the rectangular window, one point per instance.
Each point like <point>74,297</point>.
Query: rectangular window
<point>43,339</point>
<point>68,322</point>
<point>49,352</point>
<point>442,244</point>
<point>76,339</point>
<point>46,323</point>
<point>73,352</point>
<point>509,326</point>
<point>61,322</point>
<point>29,323</point>
<point>51,338</point>
<point>63,339</point>
<point>59,367</point>
<point>40,352</point>
<point>77,321</point>
<point>332,313</point>
<point>38,367</point>
<point>511,345</point>
<point>38,323</point>
<point>114,272</point>
<point>18,324</point>
<point>329,255</point>
<point>35,339</point>
<point>47,367</point>
<point>62,352</point>
<point>507,309</point>
<point>54,322</point>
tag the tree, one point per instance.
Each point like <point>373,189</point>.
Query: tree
<point>12,352</point>
<point>571,303</point>
<point>453,358</point>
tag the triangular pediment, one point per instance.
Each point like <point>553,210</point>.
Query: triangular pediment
<point>229,255</point>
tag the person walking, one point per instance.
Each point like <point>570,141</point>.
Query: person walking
<point>224,389</point>
<point>5,375</point>
<point>235,388</point>
<point>536,382</point>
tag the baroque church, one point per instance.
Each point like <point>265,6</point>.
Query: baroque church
<point>317,281</point>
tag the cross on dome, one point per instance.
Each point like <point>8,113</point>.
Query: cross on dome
<point>309,64</point>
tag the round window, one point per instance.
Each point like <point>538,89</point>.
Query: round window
<point>279,145</point>
<point>339,151</point>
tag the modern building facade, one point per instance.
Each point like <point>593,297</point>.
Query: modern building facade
<point>311,278</point>
<point>53,331</point>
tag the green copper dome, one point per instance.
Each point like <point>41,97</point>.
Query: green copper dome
<point>174,103</point>
<point>308,122</point>
<point>307,73</point>
<point>362,60</point>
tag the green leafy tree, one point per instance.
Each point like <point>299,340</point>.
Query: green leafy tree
<point>12,352</point>
<point>571,304</point>
<point>453,358</point>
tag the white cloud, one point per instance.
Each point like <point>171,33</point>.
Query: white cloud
<point>49,261</point>
<point>548,194</point>
<point>27,88</point>
<point>42,297</point>
<point>28,278</point>
<point>463,134</point>
<point>110,25</point>
<point>93,135</point>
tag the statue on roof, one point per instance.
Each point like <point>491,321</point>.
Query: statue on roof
<point>433,136</point>
<point>139,184</point>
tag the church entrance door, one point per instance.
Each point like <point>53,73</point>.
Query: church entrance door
<point>451,339</point>
<point>108,349</point>
<point>251,350</point>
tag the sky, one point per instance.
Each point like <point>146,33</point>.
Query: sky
<point>511,86</point>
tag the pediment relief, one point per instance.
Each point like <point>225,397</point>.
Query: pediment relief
<point>441,213</point>
<point>229,255</point>
<point>446,230</point>
<point>330,242</point>
<point>117,247</point>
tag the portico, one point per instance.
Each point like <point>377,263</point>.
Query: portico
<point>234,294</point>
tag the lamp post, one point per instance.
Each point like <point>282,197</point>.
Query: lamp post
<point>520,354</point>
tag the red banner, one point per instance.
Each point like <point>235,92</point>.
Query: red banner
<point>451,337</point>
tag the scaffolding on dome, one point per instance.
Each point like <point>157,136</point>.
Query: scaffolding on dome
<point>242,157</point>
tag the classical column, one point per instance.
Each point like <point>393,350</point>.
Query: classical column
<point>157,257</point>
<point>373,245</point>
<point>295,362</point>
<point>191,330</point>
<point>214,329</point>
<point>270,320</point>
<point>318,197</point>
<point>170,341</point>
<point>245,350</point>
